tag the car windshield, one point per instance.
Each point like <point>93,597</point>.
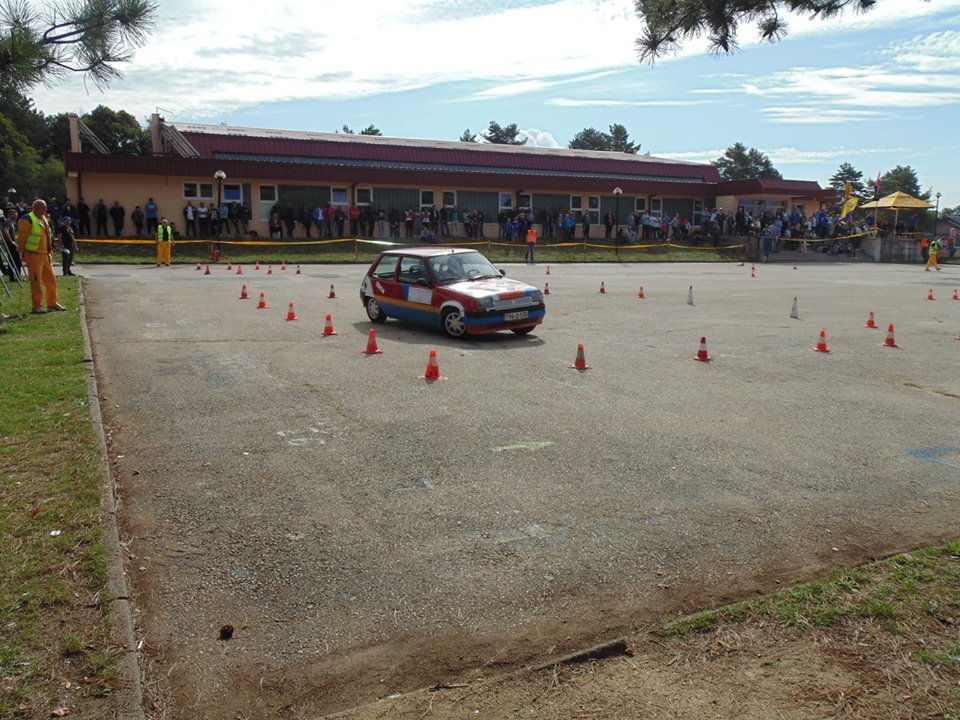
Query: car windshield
<point>457,267</point>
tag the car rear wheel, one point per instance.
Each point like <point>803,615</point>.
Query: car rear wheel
<point>374,311</point>
<point>452,321</point>
<point>523,330</point>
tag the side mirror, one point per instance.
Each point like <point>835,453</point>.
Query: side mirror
<point>423,282</point>
<point>503,273</point>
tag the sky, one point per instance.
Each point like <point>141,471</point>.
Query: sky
<point>876,90</point>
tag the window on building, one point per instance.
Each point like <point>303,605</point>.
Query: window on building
<point>576,203</point>
<point>640,205</point>
<point>364,196</point>
<point>524,201</point>
<point>232,193</point>
<point>268,198</point>
<point>339,196</point>
<point>506,201</point>
<point>697,218</point>
<point>593,207</point>
<point>197,191</point>
<point>449,198</point>
<point>656,206</point>
<point>427,198</point>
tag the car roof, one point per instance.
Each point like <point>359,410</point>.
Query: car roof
<point>427,251</point>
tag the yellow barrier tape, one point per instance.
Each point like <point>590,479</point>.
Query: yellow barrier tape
<point>98,241</point>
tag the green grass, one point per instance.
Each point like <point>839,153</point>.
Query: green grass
<point>348,252</point>
<point>52,559</point>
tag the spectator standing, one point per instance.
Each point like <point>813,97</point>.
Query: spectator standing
<point>585,224</point>
<point>531,245</point>
<point>381,222</point>
<point>83,217</point>
<point>137,217</point>
<point>68,245</point>
<point>100,211</point>
<point>152,215</point>
<point>164,242</point>
<point>118,216</point>
<point>354,221</point>
<point>190,219</point>
<point>203,219</point>
<point>8,230</point>
<point>339,217</point>
<point>35,243</point>
<point>608,223</point>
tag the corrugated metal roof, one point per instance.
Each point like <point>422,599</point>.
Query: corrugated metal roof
<point>218,140</point>
<point>772,186</point>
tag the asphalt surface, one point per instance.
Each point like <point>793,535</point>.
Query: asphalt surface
<point>367,532</point>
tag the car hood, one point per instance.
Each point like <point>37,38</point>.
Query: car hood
<point>502,288</point>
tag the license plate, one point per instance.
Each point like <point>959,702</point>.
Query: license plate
<point>519,315</point>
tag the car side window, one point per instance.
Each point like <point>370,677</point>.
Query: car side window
<point>413,270</point>
<point>386,267</point>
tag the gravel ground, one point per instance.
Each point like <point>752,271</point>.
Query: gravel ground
<point>367,533</point>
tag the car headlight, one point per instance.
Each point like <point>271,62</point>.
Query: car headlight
<point>537,296</point>
<point>485,303</point>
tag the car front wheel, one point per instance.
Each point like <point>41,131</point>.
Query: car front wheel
<point>452,321</point>
<point>374,311</point>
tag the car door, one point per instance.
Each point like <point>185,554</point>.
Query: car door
<point>416,290</point>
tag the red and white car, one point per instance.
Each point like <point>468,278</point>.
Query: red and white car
<point>454,289</point>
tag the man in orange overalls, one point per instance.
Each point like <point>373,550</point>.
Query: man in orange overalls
<point>35,242</point>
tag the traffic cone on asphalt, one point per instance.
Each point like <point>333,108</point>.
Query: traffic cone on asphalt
<point>603,290</point>
<point>239,269</point>
<point>372,348</point>
<point>298,270</point>
<point>871,323</point>
<point>283,267</point>
<point>753,271</point>
<point>198,266</point>
<point>269,269</point>
<point>433,370</point>
<point>243,292</point>
<point>794,266</point>
<point>333,293</point>
<point>229,265</point>
<point>955,296</point>
<point>291,315</point>
<point>546,288</point>
<point>640,294</point>
<point>548,269</point>
<point>702,355</point>
<point>328,326</point>
<point>207,271</point>
<point>890,341</point>
<point>690,296</point>
<point>930,294</point>
<point>581,362</point>
<point>795,313</point>
<point>822,345</point>
<point>257,267</point>
<point>262,305</point>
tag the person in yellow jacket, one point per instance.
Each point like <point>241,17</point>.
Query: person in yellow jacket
<point>164,242</point>
<point>932,256</point>
<point>35,242</point>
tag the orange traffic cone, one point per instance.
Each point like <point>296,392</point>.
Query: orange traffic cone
<point>822,345</point>
<point>257,265</point>
<point>930,294</point>
<point>243,293</point>
<point>546,288</point>
<point>640,294</point>
<point>283,267</point>
<point>262,305</point>
<point>333,293</point>
<point>580,363</point>
<point>702,355</point>
<point>603,290</point>
<point>548,269</point>
<point>291,315</point>
<point>229,265</point>
<point>890,341</point>
<point>269,269</point>
<point>372,348</point>
<point>794,267</point>
<point>433,370</point>
<point>207,271</point>
<point>298,270</point>
<point>328,326</point>
<point>955,296</point>
<point>239,269</point>
<point>870,322</point>
<point>198,266</point>
<point>753,271</point>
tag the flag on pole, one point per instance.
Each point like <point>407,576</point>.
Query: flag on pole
<point>876,185</point>
<point>849,202</point>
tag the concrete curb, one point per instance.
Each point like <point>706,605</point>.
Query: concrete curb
<point>129,697</point>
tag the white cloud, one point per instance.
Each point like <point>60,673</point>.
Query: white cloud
<point>811,115</point>
<point>538,138</point>
<point>785,155</point>
<point>574,102</point>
